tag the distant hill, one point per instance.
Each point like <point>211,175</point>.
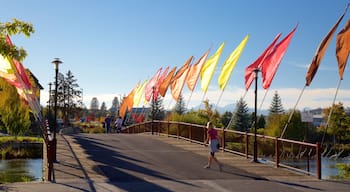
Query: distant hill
<point>232,108</point>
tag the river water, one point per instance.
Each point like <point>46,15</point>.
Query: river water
<point>21,170</point>
<point>328,169</point>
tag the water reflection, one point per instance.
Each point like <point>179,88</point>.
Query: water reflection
<point>20,170</point>
<point>328,169</point>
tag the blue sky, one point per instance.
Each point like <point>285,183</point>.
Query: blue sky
<point>111,45</point>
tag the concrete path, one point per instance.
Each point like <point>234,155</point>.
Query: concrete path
<point>121,162</point>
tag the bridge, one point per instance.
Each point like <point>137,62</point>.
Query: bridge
<point>143,161</point>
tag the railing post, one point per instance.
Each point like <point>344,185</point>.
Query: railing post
<point>190,133</point>
<point>223,139</point>
<point>159,127</point>
<point>246,145</point>
<point>318,161</point>
<point>277,154</point>
<point>178,130</point>
<point>168,128</point>
<point>204,135</point>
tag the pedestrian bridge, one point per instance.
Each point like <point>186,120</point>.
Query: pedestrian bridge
<point>157,162</point>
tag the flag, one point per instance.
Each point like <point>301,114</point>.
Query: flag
<point>20,69</point>
<point>195,70</point>
<point>209,68</point>
<point>138,93</point>
<point>183,69</point>
<point>150,85</point>
<point>273,60</point>
<point>343,48</point>
<point>249,75</point>
<point>178,83</point>
<point>6,70</point>
<point>230,64</point>
<point>316,60</point>
<point>166,82</point>
<point>159,82</point>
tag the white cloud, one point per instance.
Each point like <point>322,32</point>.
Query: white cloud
<point>311,98</point>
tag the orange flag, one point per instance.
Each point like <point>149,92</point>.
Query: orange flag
<point>315,63</point>
<point>159,82</point>
<point>195,71</point>
<point>343,48</point>
<point>178,84</point>
<point>166,82</point>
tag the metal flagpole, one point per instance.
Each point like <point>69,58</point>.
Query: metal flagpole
<point>331,111</point>
<point>291,115</point>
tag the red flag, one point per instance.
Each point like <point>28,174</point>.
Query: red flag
<point>166,82</point>
<point>270,65</point>
<point>316,60</point>
<point>159,82</point>
<point>20,69</point>
<point>343,48</point>
<point>194,72</point>
<point>249,75</point>
<point>150,85</point>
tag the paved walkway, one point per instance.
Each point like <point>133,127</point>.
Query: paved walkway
<point>82,167</point>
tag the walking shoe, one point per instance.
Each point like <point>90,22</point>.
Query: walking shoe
<point>206,167</point>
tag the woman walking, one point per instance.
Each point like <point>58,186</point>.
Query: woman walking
<point>212,138</point>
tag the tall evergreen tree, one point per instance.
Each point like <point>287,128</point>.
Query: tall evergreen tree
<point>261,121</point>
<point>240,120</point>
<point>115,106</point>
<point>157,109</point>
<point>276,106</point>
<point>180,107</point>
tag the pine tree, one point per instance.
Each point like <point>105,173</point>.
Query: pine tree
<point>241,116</point>
<point>157,109</point>
<point>276,106</point>
<point>180,106</point>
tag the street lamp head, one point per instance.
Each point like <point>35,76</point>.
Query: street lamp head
<point>56,62</point>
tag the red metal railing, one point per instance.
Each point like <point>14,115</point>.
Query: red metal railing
<point>273,150</point>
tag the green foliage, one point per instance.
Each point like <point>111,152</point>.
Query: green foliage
<point>190,117</point>
<point>14,113</point>
<point>344,170</point>
<point>276,106</point>
<point>157,109</point>
<point>180,107</point>
<point>261,121</point>
<point>241,117</point>
<point>338,125</point>
<point>4,139</point>
<point>14,27</point>
<point>226,118</point>
<point>276,123</point>
<point>208,114</point>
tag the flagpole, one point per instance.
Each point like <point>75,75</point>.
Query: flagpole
<point>331,111</point>
<point>291,115</point>
<point>189,99</point>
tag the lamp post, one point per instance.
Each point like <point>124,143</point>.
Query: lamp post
<point>56,62</point>
<point>256,71</point>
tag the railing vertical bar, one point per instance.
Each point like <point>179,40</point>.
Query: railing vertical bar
<point>318,161</point>
<point>277,153</point>
<point>246,145</point>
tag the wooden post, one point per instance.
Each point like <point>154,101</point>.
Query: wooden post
<point>277,154</point>
<point>318,161</point>
<point>246,145</point>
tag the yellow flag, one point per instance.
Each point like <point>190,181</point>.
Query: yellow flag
<point>209,68</point>
<point>230,64</point>
<point>139,93</point>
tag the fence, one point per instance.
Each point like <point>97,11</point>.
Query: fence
<point>272,150</point>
